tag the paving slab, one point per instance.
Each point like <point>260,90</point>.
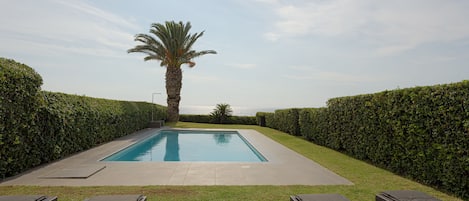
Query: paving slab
<point>75,172</point>
<point>284,167</point>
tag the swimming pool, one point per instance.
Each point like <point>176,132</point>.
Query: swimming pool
<point>190,145</point>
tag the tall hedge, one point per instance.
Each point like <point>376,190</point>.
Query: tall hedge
<point>38,127</point>
<point>266,119</point>
<point>421,132</point>
<point>285,120</point>
<point>19,103</point>
<point>71,123</point>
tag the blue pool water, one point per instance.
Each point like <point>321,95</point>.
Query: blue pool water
<point>179,145</point>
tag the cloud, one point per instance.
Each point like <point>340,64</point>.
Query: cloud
<point>390,26</point>
<point>63,27</point>
<point>309,73</point>
<point>271,36</point>
<point>268,1</point>
<point>318,17</point>
<point>243,65</point>
<point>201,78</point>
<point>97,13</point>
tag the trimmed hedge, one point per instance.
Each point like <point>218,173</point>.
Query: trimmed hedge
<point>260,119</point>
<point>421,132</point>
<point>38,127</point>
<point>196,118</point>
<point>73,123</point>
<point>285,120</point>
<point>308,120</point>
<point>266,119</point>
<point>243,120</point>
<point>19,103</point>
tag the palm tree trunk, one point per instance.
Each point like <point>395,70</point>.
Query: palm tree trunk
<point>173,89</point>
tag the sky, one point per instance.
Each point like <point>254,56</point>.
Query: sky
<point>272,54</point>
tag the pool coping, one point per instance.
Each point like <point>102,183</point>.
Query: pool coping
<point>186,151</point>
<point>284,167</point>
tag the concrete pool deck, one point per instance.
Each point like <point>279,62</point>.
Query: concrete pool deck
<point>284,167</point>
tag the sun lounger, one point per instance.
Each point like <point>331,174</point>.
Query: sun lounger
<point>318,197</point>
<point>404,195</point>
<point>118,198</point>
<point>27,198</point>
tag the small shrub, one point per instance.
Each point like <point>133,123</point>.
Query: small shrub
<point>221,113</point>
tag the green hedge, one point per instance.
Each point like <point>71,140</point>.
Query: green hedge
<point>285,120</point>
<point>195,118</point>
<point>92,121</point>
<point>308,120</point>
<point>38,127</point>
<point>243,120</point>
<point>19,103</point>
<point>421,133</point>
<point>260,119</point>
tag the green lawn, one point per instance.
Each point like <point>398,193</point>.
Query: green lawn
<point>368,179</point>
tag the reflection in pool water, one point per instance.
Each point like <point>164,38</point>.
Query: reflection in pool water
<point>172,147</point>
<point>177,145</point>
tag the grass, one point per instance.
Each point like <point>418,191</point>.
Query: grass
<point>368,179</point>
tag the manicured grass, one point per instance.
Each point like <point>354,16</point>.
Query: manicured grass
<point>368,179</point>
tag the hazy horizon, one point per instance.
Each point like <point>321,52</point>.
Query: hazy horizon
<point>237,110</point>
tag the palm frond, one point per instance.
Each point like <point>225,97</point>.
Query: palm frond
<point>171,43</point>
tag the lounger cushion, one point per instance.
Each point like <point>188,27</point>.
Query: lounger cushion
<point>404,195</point>
<point>27,198</point>
<point>318,197</point>
<point>118,198</point>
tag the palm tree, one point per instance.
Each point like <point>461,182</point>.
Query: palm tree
<point>172,47</point>
<point>221,113</point>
